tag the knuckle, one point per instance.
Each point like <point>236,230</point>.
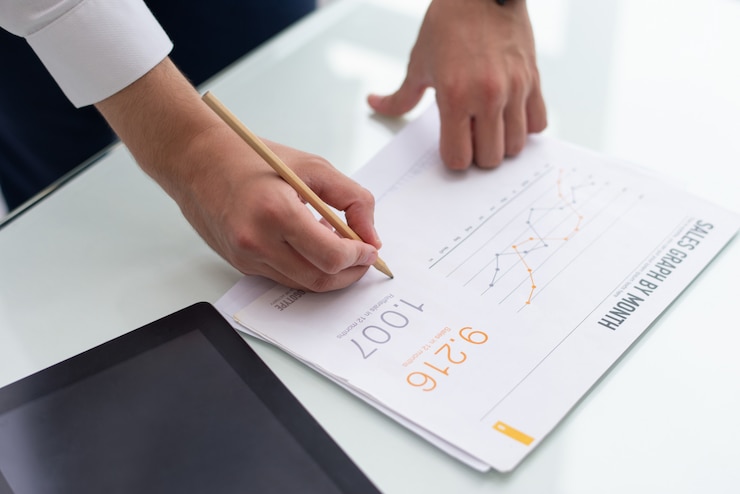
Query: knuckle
<point>270,212</point>
<point>518,83</point>
<point>321,283</point>
<point>333,261</point>
<point>248,232</point>
<point>244,241</point>
<point>313,161</point>
<point>493,92</point>
<point>366,197</point>
<point>451,94</point>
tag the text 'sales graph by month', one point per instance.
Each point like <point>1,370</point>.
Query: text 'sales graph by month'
<point>522,240</point>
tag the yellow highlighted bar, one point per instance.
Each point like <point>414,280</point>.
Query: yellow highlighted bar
<point>515,434</point>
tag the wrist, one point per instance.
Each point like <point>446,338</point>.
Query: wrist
<point>158,117</point>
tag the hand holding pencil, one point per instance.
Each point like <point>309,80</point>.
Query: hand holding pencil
<point>333,186</point>
<point>240,206</point>
<point>288,175</point>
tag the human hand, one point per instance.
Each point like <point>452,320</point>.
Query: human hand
<point>236,201</point>
<point>480,58</point>
<point>258,223</point>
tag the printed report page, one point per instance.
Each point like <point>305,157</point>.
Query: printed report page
<point>515,289</point>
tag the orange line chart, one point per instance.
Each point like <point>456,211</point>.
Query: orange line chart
<point>520,237</point>
<point>566,202</point>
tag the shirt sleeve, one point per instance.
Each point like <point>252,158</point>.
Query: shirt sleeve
<point>92,48</point>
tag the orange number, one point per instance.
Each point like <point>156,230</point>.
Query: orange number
<point>426,380</point>
<point>472,336</point>
<point>449,354</point>
<point>442,371</point>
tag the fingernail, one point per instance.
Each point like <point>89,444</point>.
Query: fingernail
<point>378,242</point>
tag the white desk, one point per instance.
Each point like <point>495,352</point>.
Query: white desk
<point>655,82</point>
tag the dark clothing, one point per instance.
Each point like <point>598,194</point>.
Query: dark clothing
<point>43,136</point>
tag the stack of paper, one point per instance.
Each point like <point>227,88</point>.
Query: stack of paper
<point>515,289</point>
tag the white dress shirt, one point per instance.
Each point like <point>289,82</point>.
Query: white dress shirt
<point>92,48</point>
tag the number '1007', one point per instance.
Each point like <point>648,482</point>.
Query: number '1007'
<point>376,335</point>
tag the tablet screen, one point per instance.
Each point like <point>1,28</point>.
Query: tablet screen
<point>174,417</point>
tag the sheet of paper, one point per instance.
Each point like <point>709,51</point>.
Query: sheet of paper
<point>514,290</point>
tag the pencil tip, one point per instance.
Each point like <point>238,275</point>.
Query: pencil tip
<point>383,268</point>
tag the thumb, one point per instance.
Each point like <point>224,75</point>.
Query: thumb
<point>400,102</point>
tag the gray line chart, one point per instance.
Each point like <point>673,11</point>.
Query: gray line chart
<point>526,236</point>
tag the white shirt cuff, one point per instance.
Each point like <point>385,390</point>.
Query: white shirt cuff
<point>99,47</point>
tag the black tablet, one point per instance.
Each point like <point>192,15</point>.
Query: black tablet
<point>181,405</point>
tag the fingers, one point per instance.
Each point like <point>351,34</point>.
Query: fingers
<point>307,277</point>
<point>344,194</point>
<point>321,260</point>
<point>332,262</point>
<point>313,257</point>
<point>515,118</point>
<point>400,102</point>
<point>456,138</point>
<point>480,59</point>
<point>309,255</point>
<point>321,283</point>
<point>289,245</point>
<point>483,137</point>
<point>259,224</point>
<point>536,110</point>
<point>495,127</point>
<point>489,138</point>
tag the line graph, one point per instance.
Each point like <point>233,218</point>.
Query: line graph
<point>525,236</point>
<point>566,201</point>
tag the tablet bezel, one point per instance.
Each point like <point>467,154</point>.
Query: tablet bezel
<point>254,373</point>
